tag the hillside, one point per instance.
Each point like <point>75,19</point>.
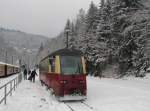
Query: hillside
<point>21,39</point>
<point>24,44</point>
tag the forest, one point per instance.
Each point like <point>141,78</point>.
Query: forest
<point>114,37</point>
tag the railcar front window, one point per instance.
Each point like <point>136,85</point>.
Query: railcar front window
<point>71,65</point>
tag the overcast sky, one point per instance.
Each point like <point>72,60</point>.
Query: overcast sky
<point>45,17</point>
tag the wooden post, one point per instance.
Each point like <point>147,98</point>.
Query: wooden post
<point>6,57</point>
<point>5,93</point>
<point>12,59</point>
<point>11,88</point>
<point>67,33</point>
<point>14,84</point>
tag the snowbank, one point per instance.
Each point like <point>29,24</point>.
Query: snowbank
<point>106,94</point>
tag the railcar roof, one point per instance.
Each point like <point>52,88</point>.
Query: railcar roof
<point>2,63</point>
<point>65,52</point>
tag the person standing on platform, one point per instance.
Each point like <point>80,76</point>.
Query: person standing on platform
<point>33,74</point>
<point>25,74</point>
<point>29,72</point>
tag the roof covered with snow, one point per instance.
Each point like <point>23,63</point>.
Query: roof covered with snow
<point>2,63</point>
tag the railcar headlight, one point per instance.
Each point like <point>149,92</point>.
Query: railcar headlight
<point>63,82</point>
<point>81,81</point>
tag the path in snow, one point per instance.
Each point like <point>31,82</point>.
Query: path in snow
<point>32,97</point>
<point>103,95</point>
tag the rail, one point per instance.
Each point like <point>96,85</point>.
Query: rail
<point>9,87</point>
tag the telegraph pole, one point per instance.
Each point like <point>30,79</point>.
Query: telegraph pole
<point>6,57</point>
<point>67,30</point>
<point>67,33</point>
<point>67,37</point>
<point>12,59</point>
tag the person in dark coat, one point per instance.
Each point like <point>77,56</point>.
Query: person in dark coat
<point>29,72</point>
<point>25,74</point>
<point>33,74</point>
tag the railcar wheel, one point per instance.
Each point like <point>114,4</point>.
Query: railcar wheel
<point>41,83</point>
<point>47,88</point>
<point>52,91</point>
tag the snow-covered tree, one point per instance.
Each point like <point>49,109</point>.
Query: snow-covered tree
<point>114,33</point>
<point>130,3</point>
<point>80,30</point>
<point>91,18</point>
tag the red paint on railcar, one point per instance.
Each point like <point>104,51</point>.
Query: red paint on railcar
<point>65,84</point>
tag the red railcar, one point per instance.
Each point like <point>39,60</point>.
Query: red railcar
<point>64,72</point>
<point>8,69</point>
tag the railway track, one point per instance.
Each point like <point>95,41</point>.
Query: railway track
<point>92,108</point>
<point>79,106</point>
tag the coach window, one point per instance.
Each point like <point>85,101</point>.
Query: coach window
<point>71,65</point>
<point>52,63</point>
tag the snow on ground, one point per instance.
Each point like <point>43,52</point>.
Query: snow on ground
<point>32,97</point>
<point>7,79</point>
<point>127,94</point>
<point>119,94</point>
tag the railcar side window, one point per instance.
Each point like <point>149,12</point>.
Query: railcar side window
<point>44,65</point>
<point>71,65</point>
<point>52,63</point>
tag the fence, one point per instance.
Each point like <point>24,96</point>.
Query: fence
<point>9,87</point>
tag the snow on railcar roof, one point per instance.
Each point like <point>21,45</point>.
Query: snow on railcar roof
<point>64,52</point>
<point>3,63</point>
<point>67,51</point>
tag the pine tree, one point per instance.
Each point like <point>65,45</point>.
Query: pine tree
<point>67,32</point>
<point>114,30</point>
<point>130,3</point>
<point>72,39</point>
<point>130,53</point>
<point>80,30</point>
<point>91,17</point>
<point>90,30</point>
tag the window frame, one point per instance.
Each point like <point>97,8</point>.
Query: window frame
<point>81,70</point>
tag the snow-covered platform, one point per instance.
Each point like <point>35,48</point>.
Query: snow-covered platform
<point>31,96</point>
<point>7,79</point>
<point>128,94</point>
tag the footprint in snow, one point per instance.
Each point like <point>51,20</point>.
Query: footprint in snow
<point>43,99</point>
<point>40,106</point>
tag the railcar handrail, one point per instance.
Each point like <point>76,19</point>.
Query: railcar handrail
<point>13,85</point>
